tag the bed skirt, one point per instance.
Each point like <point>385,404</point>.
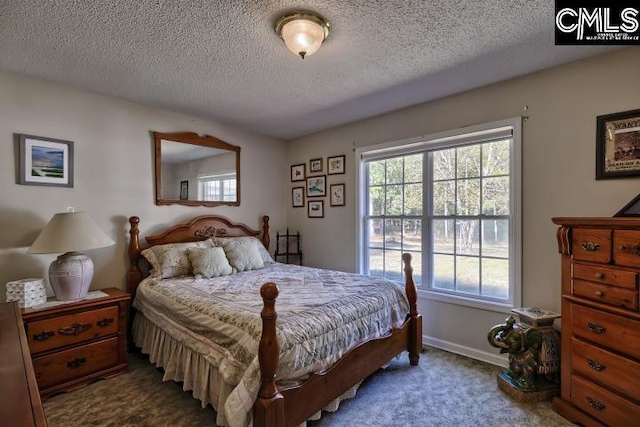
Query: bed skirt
<point>197,375</point>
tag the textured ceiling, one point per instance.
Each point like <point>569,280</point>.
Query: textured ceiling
<point>222,59</point>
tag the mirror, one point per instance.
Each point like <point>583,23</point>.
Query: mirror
<point>196,170</point>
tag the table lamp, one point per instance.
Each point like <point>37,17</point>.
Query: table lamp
<point>68,232</point>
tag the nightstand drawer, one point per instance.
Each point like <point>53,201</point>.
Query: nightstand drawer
<point>591,245</point>
<point>609,330</point>
<point>75,363</point>
<point>603,404</point>
<point>48,334</point>
<point>605,367</point>
<point>606,294</point>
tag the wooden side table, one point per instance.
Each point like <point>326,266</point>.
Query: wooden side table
<point>74,344</point>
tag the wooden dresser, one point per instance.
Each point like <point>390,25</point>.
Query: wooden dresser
<point>19,399</point>
<point>74,344</point>
<point>600,321</point>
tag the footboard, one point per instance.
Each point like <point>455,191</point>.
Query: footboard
<point>292,406</point>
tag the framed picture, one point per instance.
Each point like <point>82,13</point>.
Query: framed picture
<point>315,208</point>
<point>317,186</point>
<point>184,190</point>
<point>336,194</point>
<point>45,161</point>
<point>335,165</point>
<point>297,173</point>
<point>618,145</point>
<point>315,165</point>
<point>297,197</point>
<point>630,209</point>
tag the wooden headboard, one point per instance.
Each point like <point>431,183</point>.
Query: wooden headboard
<point>200,228</point>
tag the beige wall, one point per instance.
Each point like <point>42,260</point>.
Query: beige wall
<point>113,173</point>
<point>558,175</point>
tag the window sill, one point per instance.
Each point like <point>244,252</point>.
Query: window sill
<point>467,302</point>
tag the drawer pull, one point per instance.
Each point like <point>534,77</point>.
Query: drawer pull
<point>75,329</point>
<point>595,365</point>
<point>43,336</point>
<point>632,249</point>
<point>77,362</point>
<point>590,246</point>
<point>599,276</point>
<point>598,406</point>
<point>105,322</point>
<point>599,293</point>
<point>595,328</point>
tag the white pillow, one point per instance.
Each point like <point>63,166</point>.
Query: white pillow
<point>172,260</point>
<point>209,262</point>
<point>243,254</point>
<point>264,253</point>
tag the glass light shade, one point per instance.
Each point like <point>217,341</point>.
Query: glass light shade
<point>303,32</point>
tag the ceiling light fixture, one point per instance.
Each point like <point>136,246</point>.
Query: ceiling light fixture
<point>303,32</point>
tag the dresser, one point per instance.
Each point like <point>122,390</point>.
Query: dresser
<point>20,404</point>
<point>76,343</point>
<point>600,367</point>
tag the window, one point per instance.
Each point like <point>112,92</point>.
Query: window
<point>217,188</point>
<point>452,202</point>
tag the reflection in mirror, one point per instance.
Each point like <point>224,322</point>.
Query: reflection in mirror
<point>196,170</point>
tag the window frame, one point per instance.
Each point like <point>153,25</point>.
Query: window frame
<point>449,139</point>
<point>220,178</point>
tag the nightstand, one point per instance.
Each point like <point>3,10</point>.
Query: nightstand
<point>76,343</point>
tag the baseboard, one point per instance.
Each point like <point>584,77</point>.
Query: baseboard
<point>494,359</point>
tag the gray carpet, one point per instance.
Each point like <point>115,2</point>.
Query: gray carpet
<point>444,390</point>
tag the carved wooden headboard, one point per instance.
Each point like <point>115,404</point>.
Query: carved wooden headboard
<point>200,228</point>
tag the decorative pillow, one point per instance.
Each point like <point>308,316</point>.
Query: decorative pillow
<point>209,262</point>
<point>243,254</point>
<point>264,253</point>
<point>172,260</point>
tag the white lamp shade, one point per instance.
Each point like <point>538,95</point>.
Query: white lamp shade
<point>68,232</point>
<point>303,37</point>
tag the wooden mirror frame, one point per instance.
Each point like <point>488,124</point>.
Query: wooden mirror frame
<point>194,139</point>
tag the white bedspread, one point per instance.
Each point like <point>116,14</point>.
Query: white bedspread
<point>321,315</point>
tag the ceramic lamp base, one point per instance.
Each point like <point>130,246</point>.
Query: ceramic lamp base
<point>70,276</point>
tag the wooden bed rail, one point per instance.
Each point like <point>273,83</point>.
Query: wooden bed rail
<point>270,408</point>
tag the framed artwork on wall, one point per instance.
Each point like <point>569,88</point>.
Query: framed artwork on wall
<point>315,208</point>
<point>45,161</point>
<point>297,173</point>
<point>336,195</point>
<point>297,197</point>
<point>315,165</point>
<point>630,209</point>
<point>184,190</point>
<point>618,145</point>
<point>335,165</point>
<point>317,186</point>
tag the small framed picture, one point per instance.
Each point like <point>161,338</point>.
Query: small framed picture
<point>184,190</point>
<point>45,161</point>
<point>335,165</point>
<point>618,145</point>
<point>336,194</point>
<point>297,197</point>
<point>297,173</point>
<point>315,208</point>
<point>315,165</point>
<point>317,186</point>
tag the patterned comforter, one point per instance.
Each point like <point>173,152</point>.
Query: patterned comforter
<point>321,315</point>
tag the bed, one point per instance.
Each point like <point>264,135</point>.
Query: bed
<point>295,373</point>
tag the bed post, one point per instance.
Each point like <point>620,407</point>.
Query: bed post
<point>134,275</point>
<point>268,409</point>
<point>415,318</point>
<point>265,232</point>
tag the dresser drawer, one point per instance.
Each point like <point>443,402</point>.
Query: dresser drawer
<point>610,276</point>
<point>606,368</point>
<point>75,363</point>
<point>591,245</point>
<point>609,330</point>
<point>604,405</point>
<point>626,247</point>
<point>606,294</point>
<point>48,334</point>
